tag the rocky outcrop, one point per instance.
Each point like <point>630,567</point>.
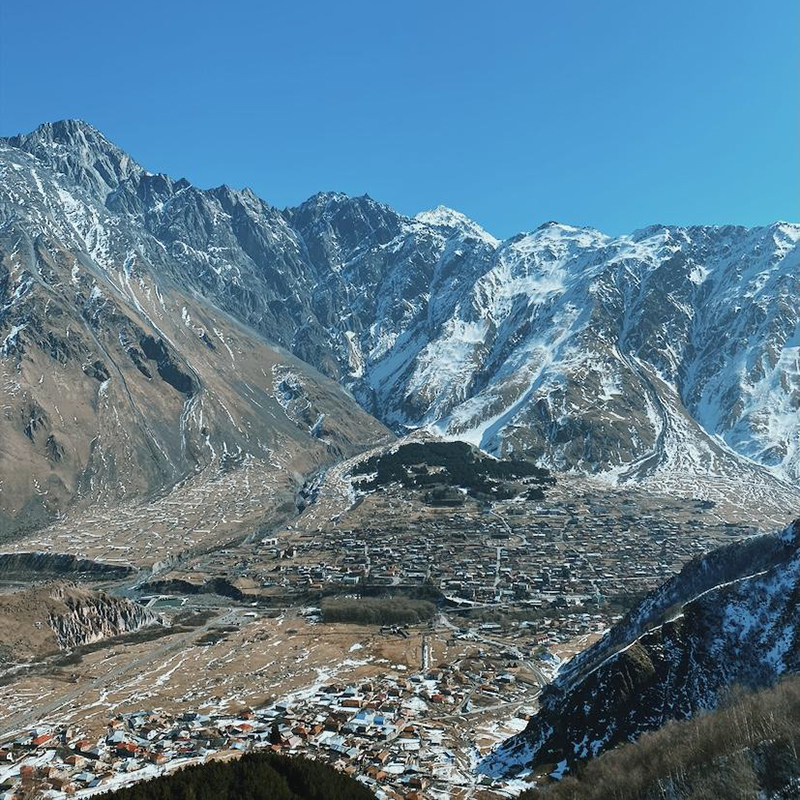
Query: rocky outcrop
<point>91,616</point>
<point>56,617</point>
<point>729,618</point>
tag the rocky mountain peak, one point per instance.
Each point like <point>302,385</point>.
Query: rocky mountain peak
<point>562,236</point>
<point>81,153</point>
<point>334,224</point>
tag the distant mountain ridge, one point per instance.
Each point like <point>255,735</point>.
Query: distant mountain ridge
<point>669,351</point>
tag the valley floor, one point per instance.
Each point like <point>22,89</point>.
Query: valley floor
<point>521,585</point>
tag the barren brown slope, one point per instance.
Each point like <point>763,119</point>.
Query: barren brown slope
<point>54,617</point>
<point>118,383</point>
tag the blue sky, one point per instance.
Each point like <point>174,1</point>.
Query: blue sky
<point>607,113</point>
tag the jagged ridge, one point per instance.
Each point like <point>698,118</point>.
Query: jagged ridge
<point>119,379</point>
<point>668,351</point>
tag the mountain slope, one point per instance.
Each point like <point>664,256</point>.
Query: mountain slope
<point>746,749</point>
<point>118,380</point>
<point>730,617</point>
<point>668,354</point>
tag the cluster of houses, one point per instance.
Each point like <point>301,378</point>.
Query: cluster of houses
<point>581,549</point>
<point>398,733</point>
<point>568,551</point>
<point>393,733</point>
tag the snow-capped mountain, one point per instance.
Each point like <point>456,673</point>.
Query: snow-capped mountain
<point>117,379</point>
<point>729,618</point>
<point>667,351</point>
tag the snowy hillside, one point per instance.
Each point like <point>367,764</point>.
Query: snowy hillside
<point>118,381</point>
<point>728,618</point>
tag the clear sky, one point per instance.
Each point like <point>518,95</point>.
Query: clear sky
<point>610,113</point>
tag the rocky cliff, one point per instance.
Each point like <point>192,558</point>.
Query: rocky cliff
<point>90,616</point>
<point>49,618</point>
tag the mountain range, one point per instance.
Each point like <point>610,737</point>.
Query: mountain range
<point>149,328</point>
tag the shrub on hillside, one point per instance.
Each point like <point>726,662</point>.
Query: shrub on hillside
<point>377,611</point>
